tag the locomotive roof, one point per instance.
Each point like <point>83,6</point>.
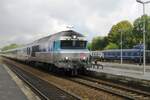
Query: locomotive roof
<point>69,33</point>
<point>59,34</point>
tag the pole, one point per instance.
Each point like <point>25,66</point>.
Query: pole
<point>121,48</point>
<point>144,61</point>
<point>144,32</point>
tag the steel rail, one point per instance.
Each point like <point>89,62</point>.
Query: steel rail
<point>44,97</point>
<point>115,89</point>
<point>37,90</point>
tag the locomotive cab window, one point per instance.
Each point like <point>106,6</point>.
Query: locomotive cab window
<point>73,44</point>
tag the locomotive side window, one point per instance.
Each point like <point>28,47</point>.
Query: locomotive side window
<point>56,45</point>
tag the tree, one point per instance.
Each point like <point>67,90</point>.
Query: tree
<point>111,46</point>
<point>11,46</point>
<point>98,43</point>
<point>138,30</point>
<point>131,35</point>
<point>125,28</point>
<point>89,46</point>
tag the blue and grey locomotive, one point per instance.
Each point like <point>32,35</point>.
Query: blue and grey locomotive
<point>66,50</point>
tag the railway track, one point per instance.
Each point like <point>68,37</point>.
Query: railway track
<point>40,94</point>
<point>41,88</point>
<point>114,89</point>
<point>123,91</point>
<point>81,91</point>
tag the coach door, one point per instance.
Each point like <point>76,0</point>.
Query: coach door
<point>34,50</point>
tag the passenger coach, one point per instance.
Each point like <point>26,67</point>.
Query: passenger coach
<point>131,55</point>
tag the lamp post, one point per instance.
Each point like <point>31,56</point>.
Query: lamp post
<point>121,60</point>
<point>121,46</point>
<point>143,3</point>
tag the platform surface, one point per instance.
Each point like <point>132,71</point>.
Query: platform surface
<point>129,70</point>
<point>135,66</point>
<point>8,88</point>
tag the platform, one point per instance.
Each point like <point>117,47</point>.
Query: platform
<point>125,66</point>
<point>123,71</point>
<point>8,88</point>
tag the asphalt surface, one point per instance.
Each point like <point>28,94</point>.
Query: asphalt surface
<point>128,70</point>
<point>8,88</point>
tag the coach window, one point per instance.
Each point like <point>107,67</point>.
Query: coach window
<point>29,51</point>
<point>35,49</point>
<point>129,53</point>
<point>124,53</point>
<point>132,53</point>
<point>118,53</point>
<point>135,54</point>
<point>111,53</point>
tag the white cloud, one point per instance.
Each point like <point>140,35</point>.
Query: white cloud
<point>22,21</point>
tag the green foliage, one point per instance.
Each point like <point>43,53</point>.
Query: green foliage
<point>89,46</point>
<point>131,35</point>
<point>125,28</point>
<point>11,46</point>
<point>98,43</point>
<point>148,32</point>
<point>138,30</point>
<point>111,46</point>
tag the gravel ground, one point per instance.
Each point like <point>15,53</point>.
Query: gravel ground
<point>83,91</point>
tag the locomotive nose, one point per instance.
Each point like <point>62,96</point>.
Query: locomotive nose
<point>74,56</point>
<point>70,55</point>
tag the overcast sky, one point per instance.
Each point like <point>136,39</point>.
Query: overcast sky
<point>22,21</point>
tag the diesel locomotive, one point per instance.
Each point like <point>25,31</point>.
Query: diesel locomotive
<point>66,50</point>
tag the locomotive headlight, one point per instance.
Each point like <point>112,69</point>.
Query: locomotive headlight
<point>66,58</point>
<point>84,58</point>
<point>74,36</point>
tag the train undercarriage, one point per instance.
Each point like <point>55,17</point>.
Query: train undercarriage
<point>74,69</point>
<point>71,69</point>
